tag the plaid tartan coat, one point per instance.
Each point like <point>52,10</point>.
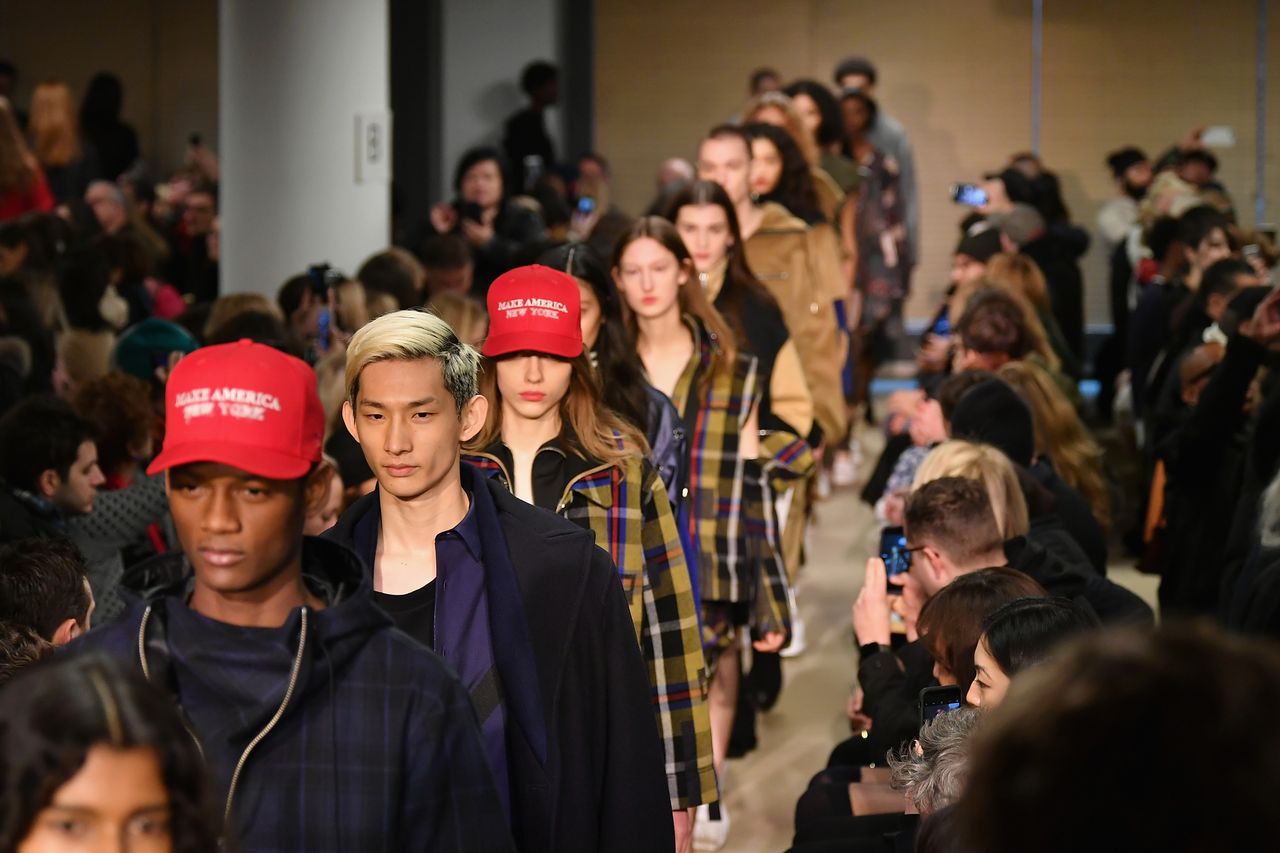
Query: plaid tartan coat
<point>626,506</point>
<point>730,519</point>
<point>377,747</point>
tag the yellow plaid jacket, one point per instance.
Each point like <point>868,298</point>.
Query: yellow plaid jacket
<point>626,506</point>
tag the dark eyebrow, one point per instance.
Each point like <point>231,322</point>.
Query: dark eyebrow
<point>412,404</point>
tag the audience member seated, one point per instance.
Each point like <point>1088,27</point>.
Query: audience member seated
<point>1043,549</point>
<point>395,272</point>
<point>43,587</point>
<point>448,265</point>
<point>1205,458</point>
<point>1084,754</point>
<point>463,313</point>
<point>69,160</point>
<point>950,624</point>
<point>48,468</point>
<point>1019,275</point>
<point>931,772</point>
<point>1062,441</point>
<point>193,247</point>
<point>127,525</point>
<point>494,226</point>
<point>1021,635</point>
<point>992,412</point>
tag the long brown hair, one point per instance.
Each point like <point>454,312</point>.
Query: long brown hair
<point>950,624</point>
<point>739,280</point>
<point>55,133</point>
<point>18,166</point>
<point>601,434</point>
<point>1016,272</point>
<point>794,123</point>
<point>1060,435</point>
<point>691,298</point>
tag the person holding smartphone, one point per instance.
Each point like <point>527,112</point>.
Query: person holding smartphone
<point>483,214</point>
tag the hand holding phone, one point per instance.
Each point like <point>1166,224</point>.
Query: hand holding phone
<point>938,700</point>
<point>970,195</point>
<point>895,555</point>
<point>871,610</point>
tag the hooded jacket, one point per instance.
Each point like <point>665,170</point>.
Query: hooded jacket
<point>583,754</point>
<point>332,732</point>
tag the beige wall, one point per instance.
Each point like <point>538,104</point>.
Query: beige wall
<point>166,54</point>
<point>957,75</point>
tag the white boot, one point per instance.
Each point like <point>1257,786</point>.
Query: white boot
<point>710,834</point>
<point>797,645</point>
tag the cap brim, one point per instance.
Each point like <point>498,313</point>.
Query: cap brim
<point>557,345</point>
<point>260,462</point>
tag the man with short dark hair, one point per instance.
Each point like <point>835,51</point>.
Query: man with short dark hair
<point>888,135</point>
<point>48,468</point>
<point>323,726</point>
<point>525,133</point>
<point>448,265</point>
<point>43,587</point>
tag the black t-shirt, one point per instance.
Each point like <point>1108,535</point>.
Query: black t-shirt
<point>414,612</point>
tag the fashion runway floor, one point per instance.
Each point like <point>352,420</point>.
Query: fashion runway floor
<point>796,737</point>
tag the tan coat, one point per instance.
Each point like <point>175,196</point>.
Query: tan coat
<point>801,268</point>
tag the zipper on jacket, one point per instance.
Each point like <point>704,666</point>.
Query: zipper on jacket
<point>568,489</point>
<point>266,730</point>
<point>271,724</point>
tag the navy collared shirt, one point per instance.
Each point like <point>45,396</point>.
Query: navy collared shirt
<point>415,612</point>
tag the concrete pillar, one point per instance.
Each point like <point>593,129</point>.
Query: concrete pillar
<point>303,180</point>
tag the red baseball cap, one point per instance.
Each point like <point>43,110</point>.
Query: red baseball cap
<point>534,309</point>
<point>246,405</point>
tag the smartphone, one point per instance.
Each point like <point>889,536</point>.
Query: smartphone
<point>324,330</point>
<point>941,327</point>
<point>937,700</point>
<point>194,139</point>
<point>897,559</point>
<point>1218,136</point>
<point>586,205</point>
<point>469,210</point>
<point>970,195</point>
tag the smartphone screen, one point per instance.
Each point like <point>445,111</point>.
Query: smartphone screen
<point>586,205</point>
<point>970,195</point>
<point>937,700</point>
<point>897,559</point>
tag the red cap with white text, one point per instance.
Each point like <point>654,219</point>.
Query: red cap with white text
<point>246,405</point>
<point>534,309</point>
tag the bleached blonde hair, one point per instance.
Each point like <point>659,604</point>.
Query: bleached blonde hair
<point>987,465</point>
<point>412,335</point>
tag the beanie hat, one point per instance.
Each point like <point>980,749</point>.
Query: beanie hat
<point>992,412</point>
<point>1022,224</point>
<point>980,243</point>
